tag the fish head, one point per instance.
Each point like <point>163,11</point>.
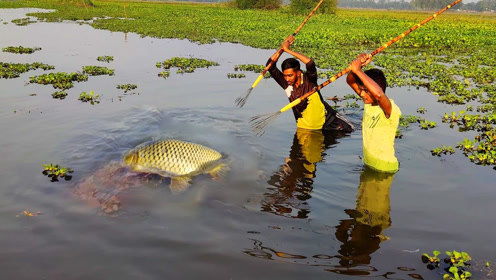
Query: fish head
<point>131,158</point>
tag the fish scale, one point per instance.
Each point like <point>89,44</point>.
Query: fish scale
<point>174,157</point>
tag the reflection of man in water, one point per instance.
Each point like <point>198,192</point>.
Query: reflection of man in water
<point>362,234</point>
<point>293,182</point>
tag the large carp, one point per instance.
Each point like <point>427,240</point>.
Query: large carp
<point>177,159</point>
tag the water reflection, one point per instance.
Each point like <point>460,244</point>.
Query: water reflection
<point>263,252</point>
<point>293,182</point>
<point>362,234</point>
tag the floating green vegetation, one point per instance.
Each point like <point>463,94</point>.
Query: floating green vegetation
<point>467,122</point>
<point>59,95</point>
<point>23,21</point>
<point>406,120</point>
<point>398,134</point>
<point>456,264</point>
<point>249,67</point>
<point>20,49</point>
<point>14,70</point>
<point>185,70</point>
<point>453,57</point>
<point>482,149</point>
<point>127,87</point>
<point>431,261</point>
<point>90,97</point>
<point>60,80</point>
<point>185,65</point>
<point>236,75</point>
<point>97,70</point>
<point>54,171</point>
<point>421,110</point>
<point>256,68</point>
<point>425,124</point>
<point>443,150</point>
<point>353,104</point>
<point>351,96</point>
<point>105,58</point>
<point>164,74</point>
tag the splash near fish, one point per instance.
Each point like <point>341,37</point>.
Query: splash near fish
<point>179,160</point>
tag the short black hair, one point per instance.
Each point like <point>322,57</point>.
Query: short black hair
<point>378,76</point>
<point>290,63</point>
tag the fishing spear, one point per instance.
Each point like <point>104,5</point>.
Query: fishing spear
<point>259,122</point>
<point>240,101</point>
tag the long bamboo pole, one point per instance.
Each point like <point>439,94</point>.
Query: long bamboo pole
<point>259,122</point>
<point>241,101</point>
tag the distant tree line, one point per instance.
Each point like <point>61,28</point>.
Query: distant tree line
<point>295,6</point>
<point>480,6</point>
<point>329,6</point>
<point>381,4</point>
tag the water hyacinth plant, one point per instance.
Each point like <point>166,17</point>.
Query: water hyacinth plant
<point>59,80</point>
<point>164,74</point>
<point>421,110</point>
<point>425,124</point>
<point>249,67</point>
<point>59,95</point>
<point>97,70</point>
<point>105,58</point>
<point>185,65</point>
<point>90,97</point>
<point>23,21</point>
<point>54,171</point>
<point>235,75</point>
<point>14,70</point>
<point>256,68</point>
<point>20,50</point>
<point>127,87</point>
<point>456,264</point>
<point>481,150</point>
<point>443,150</point>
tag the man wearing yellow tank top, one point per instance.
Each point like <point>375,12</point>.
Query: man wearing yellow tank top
<point>312,113</point>
<point>380,116</point>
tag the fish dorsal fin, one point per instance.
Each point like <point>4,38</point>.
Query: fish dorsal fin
<point>179,184</point>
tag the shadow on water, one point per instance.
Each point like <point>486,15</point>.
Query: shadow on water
<point>293,182</point>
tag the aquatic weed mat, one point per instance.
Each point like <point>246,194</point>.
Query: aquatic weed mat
<point>453,57</point>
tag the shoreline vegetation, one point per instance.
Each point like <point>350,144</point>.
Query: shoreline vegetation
<point>453,56</point>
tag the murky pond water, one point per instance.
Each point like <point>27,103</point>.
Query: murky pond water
<point>293,204</point>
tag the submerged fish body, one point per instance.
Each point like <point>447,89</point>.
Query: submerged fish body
<point>177,159</point>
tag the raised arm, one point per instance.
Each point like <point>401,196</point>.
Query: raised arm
<point>285,47</point>
<point>374,90</point>
<point>351,80</point>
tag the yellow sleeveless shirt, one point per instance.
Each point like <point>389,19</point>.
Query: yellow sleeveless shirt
<point>378,133</point>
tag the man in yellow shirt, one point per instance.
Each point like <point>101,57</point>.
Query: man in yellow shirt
<point>380,116</point>
<point>313,112</point>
